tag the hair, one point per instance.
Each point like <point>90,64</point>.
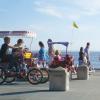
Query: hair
<point>56,52</point>
<point>41,44</point>
<point>81,48</point>
<point>20,41</point>
<point>88,43</point>
<point>6,39</point>
<point>49,40</point>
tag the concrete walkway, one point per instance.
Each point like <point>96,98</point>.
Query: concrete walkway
<point>79,90</point>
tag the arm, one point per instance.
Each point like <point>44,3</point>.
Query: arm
<point>14,47</point>
<point>10,46</point>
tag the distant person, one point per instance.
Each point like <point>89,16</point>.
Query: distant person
<point>86,52</point>
<point>82,58</point>
<point>51,51</point>
<point>42,52</point>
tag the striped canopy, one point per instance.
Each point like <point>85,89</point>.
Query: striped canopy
<point>17,33</point>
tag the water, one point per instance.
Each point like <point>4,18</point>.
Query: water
<point>94,58</point>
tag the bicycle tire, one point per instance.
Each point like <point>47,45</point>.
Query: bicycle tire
<point>45,74</point>
<point>10,76</point>
<point>34,76</point>
<point>10,79</point>
<point>2,75</point>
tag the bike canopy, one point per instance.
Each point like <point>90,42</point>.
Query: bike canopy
<point>22,34</point>
<point>50,43</point>
<point>17,33</point>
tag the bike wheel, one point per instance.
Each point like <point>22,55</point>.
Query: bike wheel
<point>34,76</point>
<point>45,74</point>
<point>2,76</point>
<point>10,79</point>
<point>10,76</point>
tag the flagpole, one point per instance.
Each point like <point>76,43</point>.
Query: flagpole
<point>74,26</point>
<point>72,34</point>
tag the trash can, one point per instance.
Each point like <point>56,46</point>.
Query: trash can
<point>83,72</point>
<point>58,79</point>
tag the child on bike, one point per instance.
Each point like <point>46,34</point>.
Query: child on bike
<point>57,55</point>
<point>56,60</point>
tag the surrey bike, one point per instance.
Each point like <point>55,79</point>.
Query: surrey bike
<point>66,61</point>
<point>9,74</point>
<point>20,71</point>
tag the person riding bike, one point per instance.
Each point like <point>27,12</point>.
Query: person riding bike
<point>5,53</point>
<point>17,53</point>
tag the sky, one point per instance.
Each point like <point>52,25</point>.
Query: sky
<point>53,19</point>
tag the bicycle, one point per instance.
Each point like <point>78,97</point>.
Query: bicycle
<point>41,66</point>
<point>9,75</point>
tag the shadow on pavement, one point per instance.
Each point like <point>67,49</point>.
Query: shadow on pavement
<point>26,92</point>
<point>23,92</point>
<point>8,84</point>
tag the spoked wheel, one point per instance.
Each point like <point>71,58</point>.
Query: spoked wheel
<point>10,79</point>
<point>10,75</point>
<point>45,74</point>
<point>2,76</point>
<point>34,76</point>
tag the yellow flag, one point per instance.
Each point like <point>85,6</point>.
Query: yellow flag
<point>75,25</point>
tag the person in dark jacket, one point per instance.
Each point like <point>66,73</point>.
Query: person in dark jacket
<point>5,52</point>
